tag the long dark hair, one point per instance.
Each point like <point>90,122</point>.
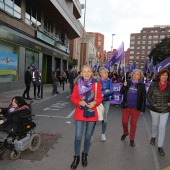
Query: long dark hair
<point>20,101</point>
<point>162,71</point>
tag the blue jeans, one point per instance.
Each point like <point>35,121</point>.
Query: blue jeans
<point>71,88</point>
<point>79,129</point>
<point>106,105</point>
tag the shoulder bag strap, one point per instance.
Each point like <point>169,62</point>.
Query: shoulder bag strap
<point>95,93</point>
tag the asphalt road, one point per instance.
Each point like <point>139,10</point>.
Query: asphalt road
<point>55,116</point>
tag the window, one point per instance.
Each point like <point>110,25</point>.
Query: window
<point>144,37</point>
<point>131,57</point>
<point>131,52</point>
<point>131,47</point>
<point>13,7</point>
<point>99,37</point>
<point>137,57</point>
<point>162,36</point>
<point>143,42</point>
<point>155,42</point>
<point>137,52</point>
<point>138,48</point>
<point>138,42</point>
<point>132,42</point>
<point>32,15</point>
<point>149,42</point>
<point>150,37</point>
<point>143,47</point>
<point>132,37</point>
<point>149,47</point>
<point>99,42</point>
<point>155,36</point>
<point>142,57</point>
<point>139,37</point>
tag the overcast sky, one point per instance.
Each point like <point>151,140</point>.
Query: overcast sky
<point>123,17</point>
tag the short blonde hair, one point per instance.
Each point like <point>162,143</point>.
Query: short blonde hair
<point>103,69</point>
<point>141,73</point>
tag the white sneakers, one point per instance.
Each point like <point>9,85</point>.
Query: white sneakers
<point>103,137</point>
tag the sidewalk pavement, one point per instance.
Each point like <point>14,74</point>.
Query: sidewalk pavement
<point>5,98</point>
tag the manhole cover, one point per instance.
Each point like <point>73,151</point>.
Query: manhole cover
<point>47,142</point>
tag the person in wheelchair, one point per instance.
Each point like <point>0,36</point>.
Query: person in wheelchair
<point>14,113</point>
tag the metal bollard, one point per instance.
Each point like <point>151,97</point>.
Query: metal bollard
<point>41,90</point>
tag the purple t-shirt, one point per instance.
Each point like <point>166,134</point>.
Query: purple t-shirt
<point>132,95</point>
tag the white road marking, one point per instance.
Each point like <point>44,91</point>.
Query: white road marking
<point>51,116</point>
<point>50,109</point>
<point>71,114</point>
<point>57,116</point>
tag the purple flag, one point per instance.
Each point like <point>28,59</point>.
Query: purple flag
<point>151,66</point>
<point>132,66</point>
<point>146,67</point>
<point>161,65</point>
<point>117,56</point>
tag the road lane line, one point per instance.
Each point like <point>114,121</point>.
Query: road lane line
<point>157,166</point>
<point>51,116</point>
<point>71,114</point>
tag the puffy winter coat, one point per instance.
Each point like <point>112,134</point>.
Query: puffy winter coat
<point>158,100</point>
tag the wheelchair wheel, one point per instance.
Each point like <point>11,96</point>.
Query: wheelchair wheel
<point>34,142</point>
<point>14,155</point>
<point>2,150</point>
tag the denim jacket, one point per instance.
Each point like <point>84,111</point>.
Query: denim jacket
<point>107,84</point>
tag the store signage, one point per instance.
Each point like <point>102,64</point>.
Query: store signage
<point>45,38</point>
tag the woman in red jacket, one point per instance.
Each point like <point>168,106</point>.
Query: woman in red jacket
<point>85,112</point>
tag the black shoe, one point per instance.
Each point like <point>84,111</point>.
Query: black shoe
<point>38,96</point>
<point>132,143</point>
<point>152,142</point>
<point>123,137</point>
<point>161,151</point>
<point>75,162</point>
<point>84,159</point>
<point>29,98</point>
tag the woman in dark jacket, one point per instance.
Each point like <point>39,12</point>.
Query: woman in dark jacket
<point>159,104</point>
<point>13,113</point>
<point>134,101</point>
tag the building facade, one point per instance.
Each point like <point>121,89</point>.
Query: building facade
<point>35,33</point>
<point>142,43</point>
<point>99,44</point>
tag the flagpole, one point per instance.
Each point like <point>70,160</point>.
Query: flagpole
<point>124,64</point>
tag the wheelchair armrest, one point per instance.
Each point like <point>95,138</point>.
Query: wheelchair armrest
<point>27,116</point>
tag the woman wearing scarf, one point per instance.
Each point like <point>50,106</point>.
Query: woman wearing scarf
<point>159,104</point>
<point>107,92</point>
<point>85,112</point>
<point>12,113</point>
<point>133,104</point>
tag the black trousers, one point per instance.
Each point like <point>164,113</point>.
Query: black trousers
<point>35,87</point>
<point>27,90</point>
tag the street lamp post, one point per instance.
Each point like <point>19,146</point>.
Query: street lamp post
<point>82,50</point>
<point>112,44</point>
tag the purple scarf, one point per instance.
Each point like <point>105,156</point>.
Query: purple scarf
<point>103,81</point>
<point>84,86</point>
